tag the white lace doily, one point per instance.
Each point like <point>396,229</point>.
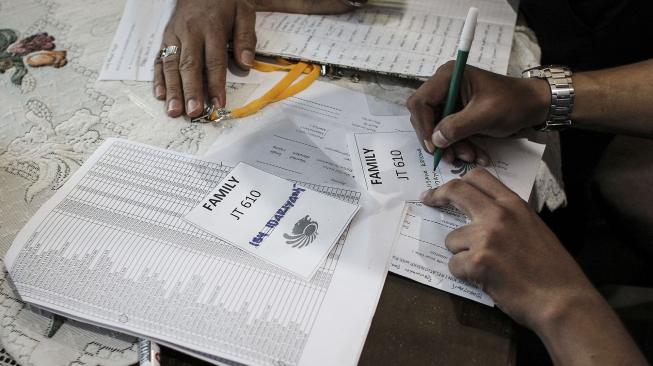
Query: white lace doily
<point>57,117</point>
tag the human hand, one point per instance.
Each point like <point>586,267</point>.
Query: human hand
<point>202,30</point>
<point>494,105</point>
<point>509,251</point>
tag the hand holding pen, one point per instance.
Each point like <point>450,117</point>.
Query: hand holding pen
<point>489,109</point>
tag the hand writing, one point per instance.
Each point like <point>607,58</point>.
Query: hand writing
<point>494,105</point>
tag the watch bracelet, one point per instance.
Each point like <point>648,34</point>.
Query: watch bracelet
<point>562,95</point>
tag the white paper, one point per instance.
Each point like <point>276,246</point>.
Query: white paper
<point>420,253</point>
<point>274,219</point>
<point>424,36</point>
<point>304,137</point>
<point>394,167</point>
<point>112,248</point>
<point>137,42</point>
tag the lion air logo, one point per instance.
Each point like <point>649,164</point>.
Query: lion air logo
<point>303,233</point>
<point>460,167</point>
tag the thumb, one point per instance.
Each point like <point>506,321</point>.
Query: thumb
<point>456,127</point>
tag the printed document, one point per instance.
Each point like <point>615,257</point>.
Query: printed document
<point>274,219</point>
<point>112,248</point>
<point>424,36</point>
<point>137,41</point>
<point>394,166</point>
<point>304,137</point>
<point>420,253</point>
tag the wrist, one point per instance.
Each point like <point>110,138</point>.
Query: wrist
<point>539,101</point>
<point>584,330</point>
<point>564,311</point>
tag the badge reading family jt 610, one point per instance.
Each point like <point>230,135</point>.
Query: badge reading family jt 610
<point>277,220</point>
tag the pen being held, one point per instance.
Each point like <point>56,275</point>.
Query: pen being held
<point>464,45</point>
<point>447,130</point>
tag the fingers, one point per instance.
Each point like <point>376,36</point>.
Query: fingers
<point>485,182</point>
<point>159,84</point>
<point>449,155</point>
<point>462,195</point>
<point>216,68</point>
<point>482,157</point>
<point>423,133</point>
<point>460,239</point>
<point>173,90</point>
<point>459,266</point>
<point>424,104</point>
<point>471,120</point>
<point>191,67</point>
<point>467,151</point>
<point>464,150</point>
<point>244,38</point>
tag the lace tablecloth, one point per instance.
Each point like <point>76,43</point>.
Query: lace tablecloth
<point>55,115</point>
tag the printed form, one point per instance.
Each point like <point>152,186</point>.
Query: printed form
<point>304,137</point>
<point>137,40</point>
<point>112,248</point>
<point>424,36</point>
<point>394,167</point>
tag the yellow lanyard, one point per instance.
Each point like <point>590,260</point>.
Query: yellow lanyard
<point>286,87</point>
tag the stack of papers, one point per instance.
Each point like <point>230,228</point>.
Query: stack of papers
<point>112,248</point>
<point>238,265</point>
<point>279,257</point>
<point>424,36</point>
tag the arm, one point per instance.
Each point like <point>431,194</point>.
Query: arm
<point>585,331</point>
<point>521,264</point>
<point>618,100</point>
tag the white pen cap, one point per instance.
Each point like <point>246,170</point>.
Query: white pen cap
<point>467,36</point>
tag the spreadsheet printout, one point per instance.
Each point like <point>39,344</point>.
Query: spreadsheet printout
<point>423,36</point>
<point>410,41</point>
<point>112,248</point>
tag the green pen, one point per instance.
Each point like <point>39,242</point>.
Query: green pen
<point>464,45</point>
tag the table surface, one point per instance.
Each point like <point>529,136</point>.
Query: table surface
<point>56,117</point>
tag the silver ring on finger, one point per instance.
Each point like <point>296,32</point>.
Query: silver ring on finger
<point>168,51</point>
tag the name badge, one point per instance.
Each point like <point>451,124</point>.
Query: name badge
<point>277,220</point>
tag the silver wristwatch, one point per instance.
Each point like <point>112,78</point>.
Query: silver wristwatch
<point>562,95</point>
